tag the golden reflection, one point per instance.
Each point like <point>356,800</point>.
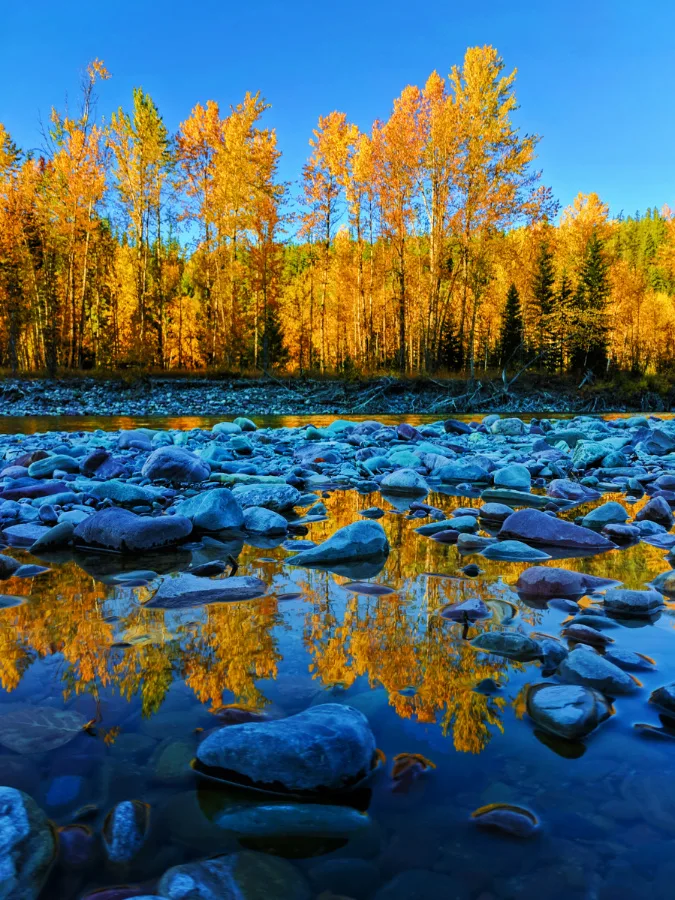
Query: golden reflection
<point>102,638</point>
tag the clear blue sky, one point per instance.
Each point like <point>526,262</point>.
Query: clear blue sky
<point>595,77</point>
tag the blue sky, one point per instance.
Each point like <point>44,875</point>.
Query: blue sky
<point>595,78</point>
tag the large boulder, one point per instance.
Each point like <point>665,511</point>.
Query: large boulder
<point>360,540</point>
<point>586,667</point>
<point>213,510</point>
<point>277,497</point>
<point>563,489</point>
<point>534,527</point>
<point>567,710</point>
<point>459,472</point>
<point>27,846</point>
<point>656,510</point>
<point>516,476</point>
<point>549,582</point>
<point>185,590</point>
<point>176,465</point>
<point>259,520</point>
<point>238,876</point>
<point>125,532</point>
<point>632,604</point>
<point>404,481</point>
<point>328,747</point>
<point>611,513</point>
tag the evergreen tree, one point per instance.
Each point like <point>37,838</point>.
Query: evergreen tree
<point>450,347</point>
<point>589,339</point>
<point>511,335</point>
<point>560,323</point>
<point>275,352</point>
<point>543,281</point>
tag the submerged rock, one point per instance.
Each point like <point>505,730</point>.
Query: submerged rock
<point>237,876</point>
<point>569,711</point>
<point>514,821</point>
<point>511,644</point>
<point>293,820</point>
<point>186,590</point>
<point>27,846</point>
<point>327,747</point>
<point>125,830</point>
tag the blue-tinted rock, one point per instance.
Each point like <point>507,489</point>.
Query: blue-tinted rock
<point>567,710</point>
<point>185,590</point>
<point>125,830</point>
<point>259,520</point>
<point>585,667</point>
<point>124,531</point>
<point>534,527</point>
<point>358,541</point>
<point>514,476</point>
<point>327,747</point>
<point>277,497</point>
<point>238,876</point>
<point>176,465</point>
<point>27,846</point>
<point>549,581</point>
<point>212,510</point>
<point>404,481</point>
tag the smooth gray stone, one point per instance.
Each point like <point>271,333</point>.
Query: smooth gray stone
<point>567,710</point>
<point>212,510</point>
<point>124,531</point>
<point>277,497</point>
<point>237,876</point>
<point>585,667</point>
<point>326,747</point>
<point>358,541</point>
<point>185,590</point>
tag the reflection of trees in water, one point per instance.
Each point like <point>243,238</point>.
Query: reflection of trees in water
<point>395,641</point>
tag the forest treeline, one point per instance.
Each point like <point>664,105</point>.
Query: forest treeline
<point>427,244</point>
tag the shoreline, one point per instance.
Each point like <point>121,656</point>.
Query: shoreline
<point>200,396</point>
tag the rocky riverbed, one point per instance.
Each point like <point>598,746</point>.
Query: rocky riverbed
<point>358,661</point>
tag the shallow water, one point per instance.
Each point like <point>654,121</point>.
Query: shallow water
<point>152,679</point>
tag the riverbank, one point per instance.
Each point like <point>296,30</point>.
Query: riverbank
<point>163,396</point>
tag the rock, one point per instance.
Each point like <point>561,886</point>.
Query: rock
<point>535,527</point>
<point>584,666</point>
<point>171,761</point>
<point>77,847</point>
<point>176,465</point>
<point>404,481</point>
<point>632,604</point>
<point>664,697</point>
<point>314,820</point>
<point>259,520</point>
<point>665,583</point>
<point>467,611</point>
<point>513,551</point>
<point>514,821</point>
<point>621,534</point>
<point>358,541</point>
<point>472,543</point>
<point>564,489</point>
<point>24,535</point>
<point>515,476</point>
<point>245,424</point>
<point>629,660</point>
<point>508,427</point>
<point>43,468</point>
<point>514,498</point>
<point>56,538</point>
<point>547,581</point>
<point>124,531</point>
<point>238,876</point>
<point>326,747</point>
<point>125,830</point>
<point>212,510</point>
<point>511,644</point>
<point>495,512</point>
<point>656,510</point>
<point>457,473</point>
<point>8,566</point>
<point>121,493</point>
<point>185,590</point>
<point>277,497</point>
<point>611,513</point>
<point>569,711</point>
<point>27,846</point>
